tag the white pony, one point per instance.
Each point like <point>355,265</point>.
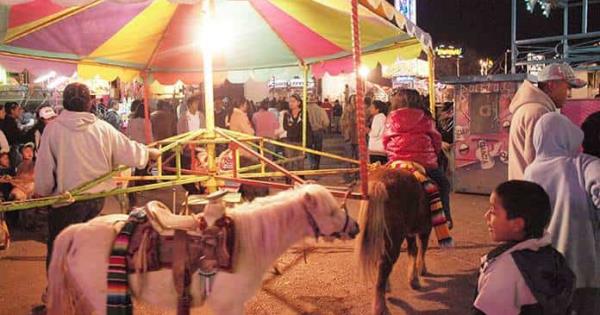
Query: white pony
<point>265,228</point>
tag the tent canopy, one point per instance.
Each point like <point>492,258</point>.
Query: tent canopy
<point>251,39</point>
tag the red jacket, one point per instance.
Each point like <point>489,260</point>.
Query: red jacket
<point>410,135</point>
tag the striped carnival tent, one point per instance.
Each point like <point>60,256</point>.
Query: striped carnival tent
<point>251,38</point>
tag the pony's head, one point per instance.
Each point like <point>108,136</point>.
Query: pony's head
<point>325,216</point>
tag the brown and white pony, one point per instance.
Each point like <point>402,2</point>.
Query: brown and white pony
<point>398,210</point>
<point>265,228</point>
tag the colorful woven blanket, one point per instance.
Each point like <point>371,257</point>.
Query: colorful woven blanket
<point>118,300</point>
<point>438,219</point>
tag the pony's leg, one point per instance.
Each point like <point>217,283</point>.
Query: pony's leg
<point>423,244</point>
<point>386,264</point>
<point>413,269</point>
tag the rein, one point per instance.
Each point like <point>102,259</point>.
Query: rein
<point>315,226</point>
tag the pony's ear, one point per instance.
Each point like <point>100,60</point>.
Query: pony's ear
<point>310,200</point>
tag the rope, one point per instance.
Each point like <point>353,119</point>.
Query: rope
<point>360,113</point>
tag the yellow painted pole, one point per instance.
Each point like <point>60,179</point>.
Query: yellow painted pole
<point>159,161</point>
<point>304,105</point>
<point>262,152</point>
<point>431,61</point>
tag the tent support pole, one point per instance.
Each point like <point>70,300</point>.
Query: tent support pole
<point>147,128</point>
<point>360,108</point>
<point>431,62</point>
<point>304,105</point>
<point>209,112</point>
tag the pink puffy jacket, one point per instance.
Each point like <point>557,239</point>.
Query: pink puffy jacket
<point>410,135</point>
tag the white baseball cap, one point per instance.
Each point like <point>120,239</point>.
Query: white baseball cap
<point>47,112</point>
<point>560,71</point>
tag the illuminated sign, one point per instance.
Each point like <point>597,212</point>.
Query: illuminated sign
<point>448,51</point>
<point>408,8</point>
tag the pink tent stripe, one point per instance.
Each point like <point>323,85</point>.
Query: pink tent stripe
<point>82,33</point>
<point>302,41</point>
<point>333,67</point>
<point>28,12</point>
<point>36,67</point>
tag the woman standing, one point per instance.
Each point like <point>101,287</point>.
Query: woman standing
<point>136,131</point>
<point>292,123</point>
<point>137,123</point>
<point>348,121</point>
<point>377,110</point>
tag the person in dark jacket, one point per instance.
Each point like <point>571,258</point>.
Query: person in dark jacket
<point>525,274</point>
<point>591,135</point>
<point>292,124</point>
<point>13,133</point>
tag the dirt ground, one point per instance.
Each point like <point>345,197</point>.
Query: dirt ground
<point>327,283</point>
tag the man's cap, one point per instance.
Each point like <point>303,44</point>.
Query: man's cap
<point>27,145</point>
<point>560,71</point>
<point>47,112</point>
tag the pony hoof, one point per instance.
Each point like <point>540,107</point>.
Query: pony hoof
<point>381,310</point>
<point>415,284</point>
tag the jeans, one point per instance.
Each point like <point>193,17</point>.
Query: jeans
<point>316,144</point>
<point>374,158</point>
<point>60,218</point>
<point>439,177</point>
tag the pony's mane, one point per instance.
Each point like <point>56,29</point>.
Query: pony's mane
<point>263,224</point>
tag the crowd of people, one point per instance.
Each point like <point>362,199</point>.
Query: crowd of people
<point>546,217</point>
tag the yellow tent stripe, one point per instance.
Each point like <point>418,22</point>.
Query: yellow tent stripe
<point>333,21</point>
<point>109,73</point>
<point>136,41</point>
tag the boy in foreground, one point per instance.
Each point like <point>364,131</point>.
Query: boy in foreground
<point>525,274</point>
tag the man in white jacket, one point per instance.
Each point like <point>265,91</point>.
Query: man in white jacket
<point>75,149</point>
<point>529,104</point>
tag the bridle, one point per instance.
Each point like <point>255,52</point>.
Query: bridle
<point>315,226</point>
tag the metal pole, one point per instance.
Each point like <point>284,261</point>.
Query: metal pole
<point>565,40</point>
<point>584,16</point>
<point>431,60</point>
<point>360,108</point>
<point>513,36</point>
<point>207,10</point>
<point>457,66</point>
<point>506,61</point>
<point>147,128</point>
<point>304,106</point>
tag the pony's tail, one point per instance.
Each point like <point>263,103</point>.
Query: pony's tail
<point>62,296</point>
<point>374,229</point>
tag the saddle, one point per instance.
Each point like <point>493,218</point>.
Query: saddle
<point>185,244</point>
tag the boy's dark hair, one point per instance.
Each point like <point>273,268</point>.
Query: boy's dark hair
<point>526,200</point>
<point>76,97</point>
<point>381,106</point>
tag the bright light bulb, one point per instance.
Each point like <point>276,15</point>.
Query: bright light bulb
<point>216,33</point>
<point>363,71</point>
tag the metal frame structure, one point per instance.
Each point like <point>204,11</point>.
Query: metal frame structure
<point>168,176</point>
<point>581,50</point>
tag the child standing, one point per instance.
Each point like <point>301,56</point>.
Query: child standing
<point>525,274</point>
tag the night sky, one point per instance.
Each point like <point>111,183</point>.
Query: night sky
<point>484,25</point>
